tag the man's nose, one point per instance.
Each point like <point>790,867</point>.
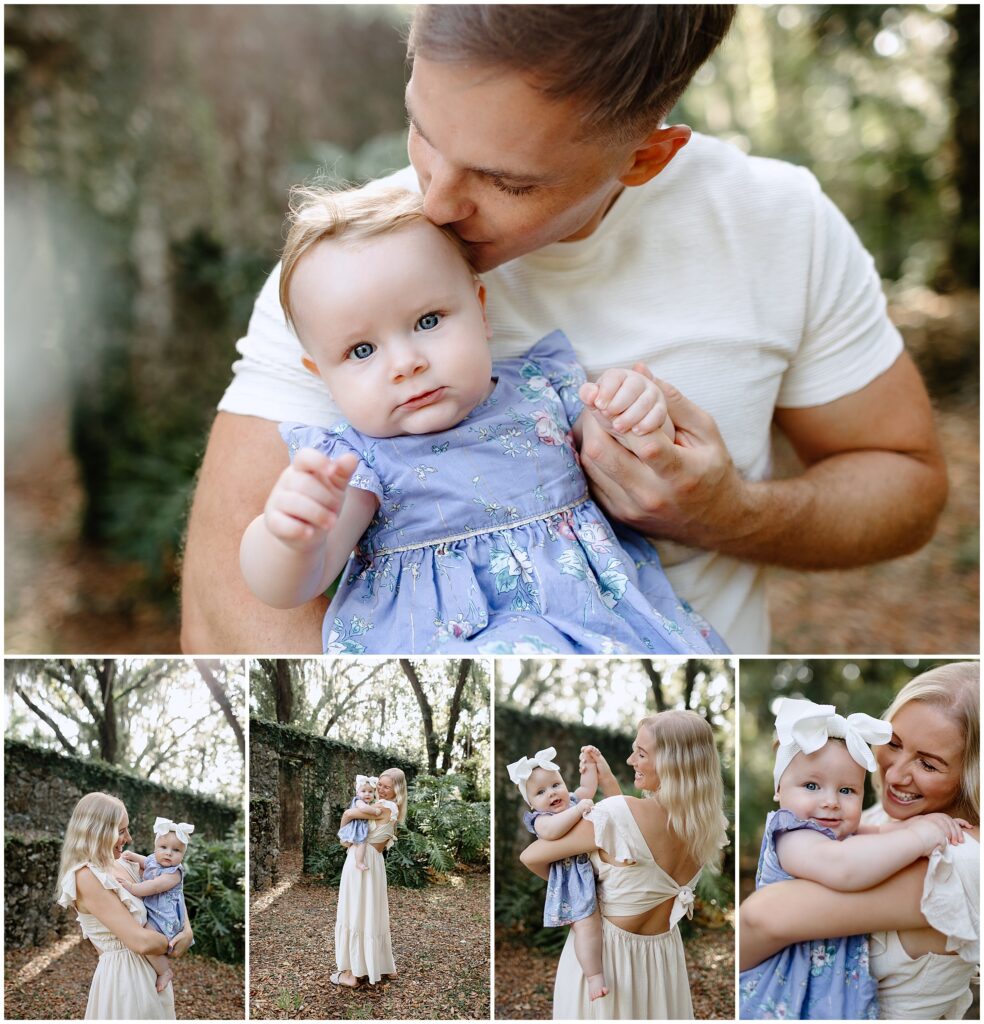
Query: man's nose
<point>445,199</point>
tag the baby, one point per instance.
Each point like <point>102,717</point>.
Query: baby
<point>819,776</point>
<point>161,887</point>
<point>571,883</point>
<point>459,482</point>
<point>356,832</point>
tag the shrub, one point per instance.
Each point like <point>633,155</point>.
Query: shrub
<point>215,897</point>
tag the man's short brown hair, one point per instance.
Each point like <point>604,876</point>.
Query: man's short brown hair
<point>626,65</point>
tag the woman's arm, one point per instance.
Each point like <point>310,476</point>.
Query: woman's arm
<point>105,905</point>
<point>351,814</point>
<point>541,853</point>
<point>778,915</point>
<point>156,885</point>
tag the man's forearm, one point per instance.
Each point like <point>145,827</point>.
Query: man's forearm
<point>848,510</point>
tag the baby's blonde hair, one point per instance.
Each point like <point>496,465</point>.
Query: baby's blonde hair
<point>399,790</point>
<point>955,690</point>
<point>318,214</point>
<point>689,771</point>
<point>92,832</point>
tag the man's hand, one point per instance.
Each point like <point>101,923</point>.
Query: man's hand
<point>307,497</point>
<point>629,401</point>
<point>873,487</point>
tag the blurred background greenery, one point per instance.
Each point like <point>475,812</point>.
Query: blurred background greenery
<point>149,151</point>
<point>866,685</point>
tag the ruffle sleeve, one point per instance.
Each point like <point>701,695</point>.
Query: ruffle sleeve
<point>394,809</point>
<point>785,821</point>
<point>335,442</point>
<point>951,897</point>
<point>552,359</point>
<point>68,890</point>
<point>612,832</point>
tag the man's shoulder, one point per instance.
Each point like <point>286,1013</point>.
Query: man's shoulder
<point>715,160</point>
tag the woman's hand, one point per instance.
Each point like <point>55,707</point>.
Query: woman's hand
<point>181,942</point>
<point>607,782</point>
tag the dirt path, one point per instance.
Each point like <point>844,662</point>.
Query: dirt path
<point>52,983</point>
<point>524,977</point>
<point>440,938</point>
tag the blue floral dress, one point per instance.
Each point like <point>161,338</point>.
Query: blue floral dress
<point>356,831</point>
<point>826,979</point>
<point>486,540</point>
<point>164,908</point>
<point>570,882</point>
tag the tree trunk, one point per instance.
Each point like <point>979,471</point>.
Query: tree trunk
<point>463,669</point>
<point>106,676</point>
<point>283,690</point>
<point>50,722</point>
<point>220,698</point>
<point>656,681</point>
<point>425,713</point>
<point>690,674</point>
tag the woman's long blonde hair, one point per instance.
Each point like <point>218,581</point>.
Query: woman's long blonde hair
<point>92,832</point>
<point>955,690</point>
<point>399,781</point>
<point>686,762</point>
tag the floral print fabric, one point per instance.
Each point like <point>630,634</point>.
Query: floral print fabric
<point>827,979</point>
<point>486,540</point>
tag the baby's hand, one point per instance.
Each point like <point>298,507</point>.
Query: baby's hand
<point>127,884</point>
<point>130,856</point>
<point>585,807</point>
<point>933,833</point>
<point>306,499</point>
<point>630,401</point>
<point>952,827</point>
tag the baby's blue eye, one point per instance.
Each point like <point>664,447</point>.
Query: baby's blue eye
<point>846,790</point>
<point>362,351</point>
<point>429,321</point>
<point>811,786</point>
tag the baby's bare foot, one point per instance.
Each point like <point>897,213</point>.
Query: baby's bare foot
<point>597,987</point>
<point>163,980</point>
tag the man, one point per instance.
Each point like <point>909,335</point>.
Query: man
<point>537,133</point>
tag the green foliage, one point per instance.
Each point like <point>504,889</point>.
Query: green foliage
<point>214,894</point>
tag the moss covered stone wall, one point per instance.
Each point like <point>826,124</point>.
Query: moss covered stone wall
<point>325,772</point>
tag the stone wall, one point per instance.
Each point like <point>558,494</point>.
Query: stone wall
<point>325,771</point>
<point>519,734</point>
<point>41,788</point>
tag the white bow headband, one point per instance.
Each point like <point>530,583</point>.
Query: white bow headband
<point>181,829</point>
<point>521,770</point>
<point>361,780</point>
<point>803,726</point>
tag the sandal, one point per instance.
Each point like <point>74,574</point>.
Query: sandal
<point>335,980</point>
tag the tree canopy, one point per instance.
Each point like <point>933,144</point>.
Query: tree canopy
<point>174,722</point>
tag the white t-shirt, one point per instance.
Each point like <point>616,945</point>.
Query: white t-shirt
<point>733,277</point>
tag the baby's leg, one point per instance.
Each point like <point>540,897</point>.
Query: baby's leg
<point>162,966</point>
<point>587,948</point>
<point>360,857</point>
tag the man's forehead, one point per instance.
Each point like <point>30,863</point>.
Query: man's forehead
<point>491,121</point>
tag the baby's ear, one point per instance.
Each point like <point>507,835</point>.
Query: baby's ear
<point>775,797</point>
<point>310,365</point>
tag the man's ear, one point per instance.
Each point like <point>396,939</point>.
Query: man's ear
<point>310,365</point>
<point>480,292</point>
<point>654,153</point>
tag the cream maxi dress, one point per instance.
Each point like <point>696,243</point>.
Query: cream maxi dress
<point>935,986</point>
<point>362,929</point>
<point>646,974</point>
<point>124,985</point>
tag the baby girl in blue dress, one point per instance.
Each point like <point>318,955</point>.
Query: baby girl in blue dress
<point>457,481</point>
<point>356,832</point>
<point>571,883</point>
<point>162,887</point>
<point>816,834</point>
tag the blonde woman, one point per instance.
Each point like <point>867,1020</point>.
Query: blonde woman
<point>112,919</point>
<point>924,921</point>
<point>648,854</point>
<point>363,947</point>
